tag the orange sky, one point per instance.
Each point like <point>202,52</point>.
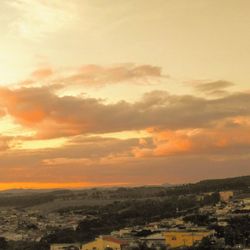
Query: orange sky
<point>123,93</point>
<point>49,185</point>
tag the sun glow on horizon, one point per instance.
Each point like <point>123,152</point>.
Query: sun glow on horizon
<point>52,185</point>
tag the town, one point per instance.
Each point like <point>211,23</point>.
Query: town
<point>188,218</point>
<point>174,233</point>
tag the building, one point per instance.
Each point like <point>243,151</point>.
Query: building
<point>66,246</point>
<point>106,242</point>
<point>124,232</point>
<point>154,240</point>
<point>246,203</point>
<point>226,195</point>
<point>180,238</point>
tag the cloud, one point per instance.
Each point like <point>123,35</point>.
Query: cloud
<point>2,111</point>
<point>109,160</point>
<point>184,133</point>
<point>83,155</point>
<point>95,75</point>
<point>216,88</point>
<point>98,75</point>
<point>52,116</point>
<point>4,142</point>
<point>164,155</point>
<point>42,73</point>
<point>211,86</point>
<point>208,141</point>
<point>36,19</point>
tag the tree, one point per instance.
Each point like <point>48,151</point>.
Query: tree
<point>3,243</point>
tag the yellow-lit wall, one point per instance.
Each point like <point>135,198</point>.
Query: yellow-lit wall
<point>226,195</point>
<point>178,239</point>
<point>62,246</point>
<point>101,244</point>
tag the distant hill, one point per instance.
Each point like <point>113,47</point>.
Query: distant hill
<point>22,191</point>
<point>63,198</point>
<point>213,185</point>
<point>167,185</point>
<point>227,183</point>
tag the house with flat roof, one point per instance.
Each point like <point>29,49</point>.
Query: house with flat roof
<point>182,238</point>
<point>106,242</point>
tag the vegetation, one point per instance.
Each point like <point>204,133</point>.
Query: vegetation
<point>134,206</point>
<point>24,200</point>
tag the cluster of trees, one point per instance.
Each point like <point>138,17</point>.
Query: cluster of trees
<point>23,201</point>
<point>17,245</point>
<point>236,183</point>
<point>237,232</point>
<point>207,244</point>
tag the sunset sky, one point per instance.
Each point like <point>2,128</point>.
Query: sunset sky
<point>107,93</point>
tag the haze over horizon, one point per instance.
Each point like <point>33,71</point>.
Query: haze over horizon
<point>96,93</point>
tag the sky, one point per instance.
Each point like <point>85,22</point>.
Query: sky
<point>123,93</point>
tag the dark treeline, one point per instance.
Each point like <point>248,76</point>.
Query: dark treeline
<point>29,200</point>
<point>23,201</point>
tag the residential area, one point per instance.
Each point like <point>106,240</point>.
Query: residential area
<point>174,233</point>
<point>213,214</point>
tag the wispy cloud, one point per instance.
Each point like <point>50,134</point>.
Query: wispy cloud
<point>37,18</point>
<point>213,88</point>
<point>96,75</point>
